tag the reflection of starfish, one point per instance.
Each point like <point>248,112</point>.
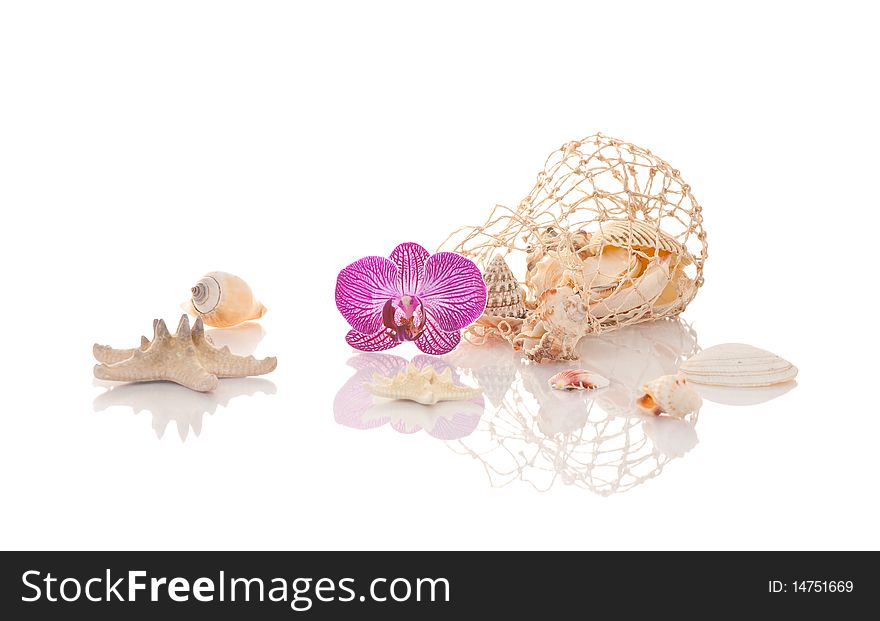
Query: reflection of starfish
<point>357,408</point>
<point>168,402</point>
<point>187,358</point>
<point>424,385</point>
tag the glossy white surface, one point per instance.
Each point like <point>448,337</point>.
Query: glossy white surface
<point>142,147</point>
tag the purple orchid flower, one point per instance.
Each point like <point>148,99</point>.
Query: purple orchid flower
<point>413,296</point>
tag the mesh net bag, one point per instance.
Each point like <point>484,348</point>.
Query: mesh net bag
<point>610,235</point>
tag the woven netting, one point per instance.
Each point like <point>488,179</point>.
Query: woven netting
<point>541,436</point>
<point>610,235</point>
<point>607,455</point>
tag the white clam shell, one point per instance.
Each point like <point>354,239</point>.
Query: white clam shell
<point>737,364</point>
<point>670,394</point>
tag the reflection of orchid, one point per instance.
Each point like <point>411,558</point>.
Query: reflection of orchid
<point>355,407</point>
<point>413,296</point>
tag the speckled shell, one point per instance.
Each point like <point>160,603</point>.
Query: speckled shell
<point>504,293</point>
<point>669,394</point>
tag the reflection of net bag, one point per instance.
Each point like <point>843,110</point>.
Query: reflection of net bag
<point>607,455</point>
<point>609,236</point>
<point>543,436</point>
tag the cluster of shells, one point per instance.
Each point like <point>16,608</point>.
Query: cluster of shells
<point>609,236</point>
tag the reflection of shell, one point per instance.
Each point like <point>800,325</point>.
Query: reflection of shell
<point>577,379</point>
<point>504,293</point>
<point>424,386</point>
<point>736,364</point>
<point>669,394</point>
<point>495,381</point>
<point>223,300</point>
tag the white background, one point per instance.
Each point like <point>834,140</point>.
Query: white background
<point>143,144</point>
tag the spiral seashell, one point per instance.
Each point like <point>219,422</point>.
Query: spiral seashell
<point>669,394</point>
<point>504,296</point>
<point>223,300</point>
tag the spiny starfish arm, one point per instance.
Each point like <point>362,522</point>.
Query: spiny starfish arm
<point>223,363</point>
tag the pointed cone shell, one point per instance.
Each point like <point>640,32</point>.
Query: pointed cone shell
<point>669,394</point>
<point>495,382</point>
<point>504,294</point>
<point>736,364</point>
<point>223,300</point>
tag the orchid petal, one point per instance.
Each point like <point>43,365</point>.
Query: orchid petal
<point>362,289</point>
<point>435,341</point>
<point>453,293</point>
<point>410,259</point>
<point>371,342</point>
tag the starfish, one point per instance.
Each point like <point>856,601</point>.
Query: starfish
<point>188,358</point>
<point>425,386</point>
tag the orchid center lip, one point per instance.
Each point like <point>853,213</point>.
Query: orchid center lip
<point>408,304</point>
<point>404,317</point>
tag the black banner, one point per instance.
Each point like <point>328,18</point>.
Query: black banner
<point>419,585</point>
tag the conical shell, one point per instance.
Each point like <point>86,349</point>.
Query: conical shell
<point>504,293</point>
<point>737,364</point>
<point>223,300</point>
<point>669,394</point>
